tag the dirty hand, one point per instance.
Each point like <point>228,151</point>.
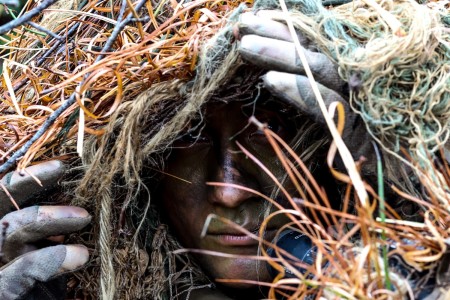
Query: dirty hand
<point>30,269</point>
<point>269,45</point>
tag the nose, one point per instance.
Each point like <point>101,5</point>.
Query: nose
<point>227,173</point>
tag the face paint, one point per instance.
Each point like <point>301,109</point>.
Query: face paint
<point>209,153</point>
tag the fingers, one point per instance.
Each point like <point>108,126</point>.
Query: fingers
<point>280,55</point>
<point>269,45</point>
<point>20,275</point>
<point>76,257</point>
<point>261,24</point>
<point>34,223</point>
<point>25,187</point>
<point>297,91</point>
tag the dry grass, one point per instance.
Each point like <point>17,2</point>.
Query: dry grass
<point>36,81</point>
<point>356,246</point>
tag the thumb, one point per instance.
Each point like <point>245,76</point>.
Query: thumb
<point>297,91</point>
<point>20,275</point>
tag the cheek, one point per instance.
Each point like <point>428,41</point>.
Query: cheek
<point>265,155</point>
<point>184,216</point>
<point>273,164</point>
<point>183,195</point>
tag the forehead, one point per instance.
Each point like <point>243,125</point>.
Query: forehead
<point>243,85</point>
<point>240,98</point>
<point>232,116</point>
<point>248,100</point>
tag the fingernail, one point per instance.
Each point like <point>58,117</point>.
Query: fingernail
<point>279,53</point>
<point>283,85</point>
<point>76,256</point>
<point>252,43</point>
<point>281,81</point>
<point>60,212</point>
<point>248,18</point>
<point>268,14</point>
<point>263,25</point>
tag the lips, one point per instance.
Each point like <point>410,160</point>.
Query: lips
<point>232,230</point>
<point>233,237</point>
<point>235,240</point>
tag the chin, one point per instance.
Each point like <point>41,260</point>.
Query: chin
<point>228,271</point>
<point>237,286</point>
<point>243,291</point>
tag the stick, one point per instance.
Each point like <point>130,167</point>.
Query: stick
<point>45,30</point>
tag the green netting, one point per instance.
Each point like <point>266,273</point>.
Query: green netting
<point>399,78</point>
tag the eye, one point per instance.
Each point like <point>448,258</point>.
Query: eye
<point>193,136</point>
<point>272,123</point>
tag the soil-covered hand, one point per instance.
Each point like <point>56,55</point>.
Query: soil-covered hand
<point>268,44</point>
<point>31,259</point>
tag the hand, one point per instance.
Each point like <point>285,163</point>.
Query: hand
<point>268,44</point>
<point>30,269</point>
<point>24,189</point>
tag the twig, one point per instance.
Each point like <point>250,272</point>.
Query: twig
<point>44,57</point>
<point>10,2</point>
<point>143,19</point>
<point>120,26</point>
<point>45,30</point>
<point>52,118</point>
<point>26,17</point>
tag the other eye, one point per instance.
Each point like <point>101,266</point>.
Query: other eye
<point>192,137</point>
<point>272,123</point>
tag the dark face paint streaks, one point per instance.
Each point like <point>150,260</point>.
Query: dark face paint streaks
<point>209,153</point>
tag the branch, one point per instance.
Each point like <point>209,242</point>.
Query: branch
<point>45,30</point>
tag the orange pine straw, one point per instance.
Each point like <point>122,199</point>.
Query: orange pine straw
<point>142,53</point>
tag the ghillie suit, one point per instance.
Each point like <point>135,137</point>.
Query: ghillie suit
<point>122,165</point>
<point>134,148</point>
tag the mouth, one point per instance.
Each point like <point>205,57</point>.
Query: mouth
<point>233,238</point>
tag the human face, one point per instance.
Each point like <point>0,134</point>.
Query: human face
<point>212,155</point>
